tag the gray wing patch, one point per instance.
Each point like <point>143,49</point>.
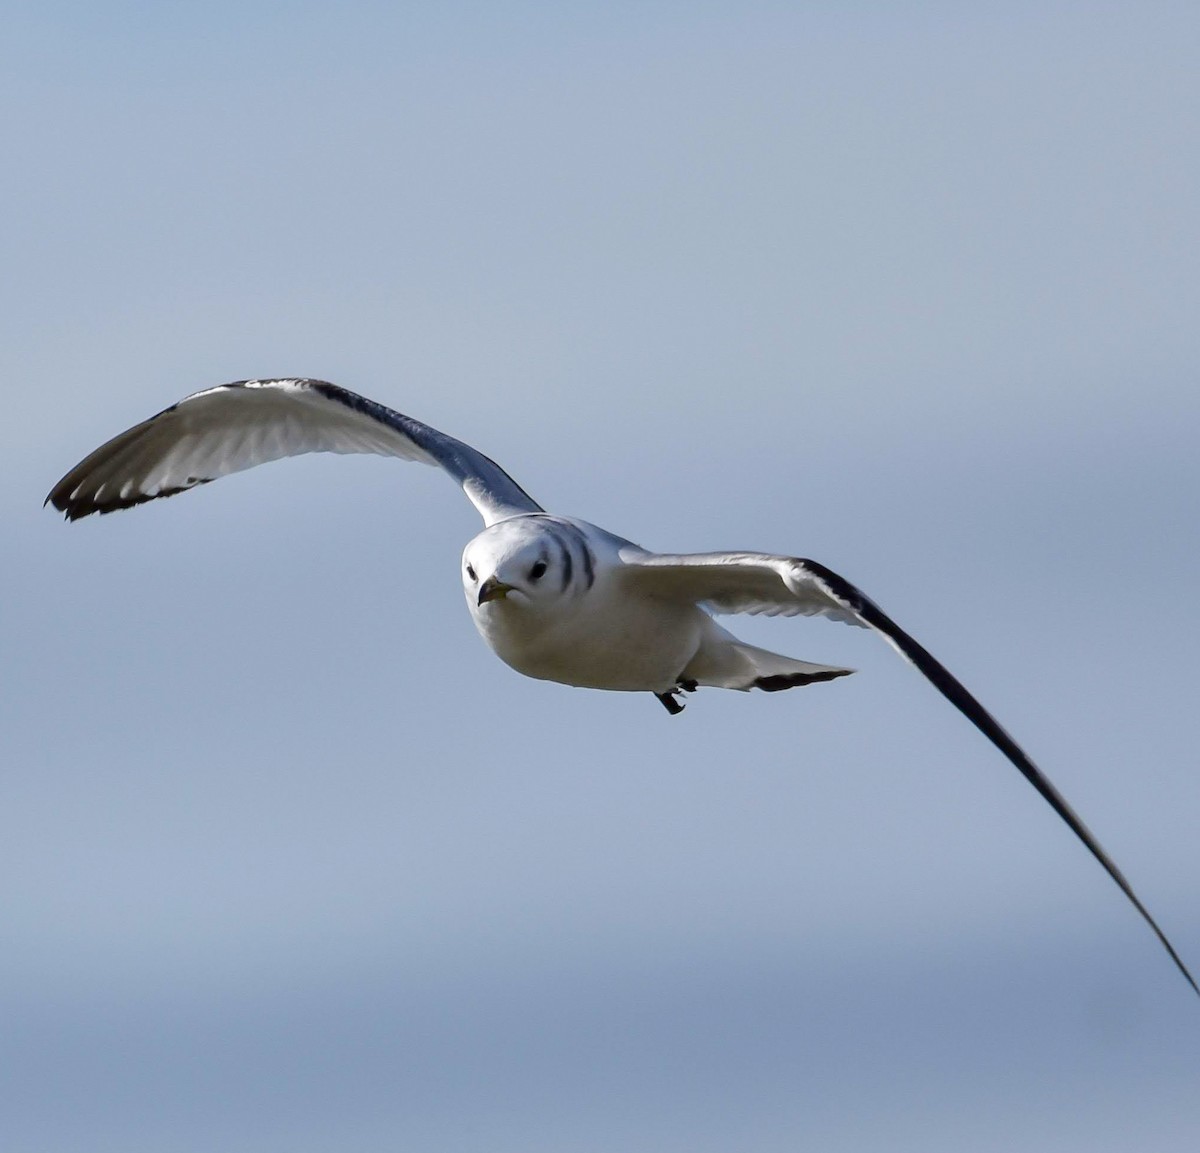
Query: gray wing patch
<point>486,484</point>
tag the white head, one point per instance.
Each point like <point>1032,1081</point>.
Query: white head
<point>520,561</point>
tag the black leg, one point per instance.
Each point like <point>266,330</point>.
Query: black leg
<point>670,703</point>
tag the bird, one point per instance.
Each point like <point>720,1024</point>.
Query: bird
<point>556,598</point>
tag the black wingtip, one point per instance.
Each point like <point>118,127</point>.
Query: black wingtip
<point>70,510</point>
<point>74,509</point>
<point>956,693</point>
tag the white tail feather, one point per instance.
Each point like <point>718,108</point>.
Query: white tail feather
<point>724,662</point>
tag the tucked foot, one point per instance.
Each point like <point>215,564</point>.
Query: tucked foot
<point>670,703</point>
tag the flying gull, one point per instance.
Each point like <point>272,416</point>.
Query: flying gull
<point>556,598</point>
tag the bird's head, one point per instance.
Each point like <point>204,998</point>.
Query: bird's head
<point>514,561</point>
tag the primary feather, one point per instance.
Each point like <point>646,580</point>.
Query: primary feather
<point>236,426</point>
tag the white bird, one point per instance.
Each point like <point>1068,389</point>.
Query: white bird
<point>555,598</point>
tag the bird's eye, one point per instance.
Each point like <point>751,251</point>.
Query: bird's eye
<point>470,572</point>
<point>538,571</point>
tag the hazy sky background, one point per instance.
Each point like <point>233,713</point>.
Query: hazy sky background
<point>289,862</point>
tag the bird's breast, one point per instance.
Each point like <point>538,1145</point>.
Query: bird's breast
<point>602,642</point>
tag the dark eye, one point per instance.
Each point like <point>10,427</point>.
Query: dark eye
<point>470,572</point>
<point>538,571</point>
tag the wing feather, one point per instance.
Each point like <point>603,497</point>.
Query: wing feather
<point>757,584</point>
<point>762,583</point>
<point>236,426</point>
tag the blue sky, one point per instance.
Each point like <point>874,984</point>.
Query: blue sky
<point>291,862</point>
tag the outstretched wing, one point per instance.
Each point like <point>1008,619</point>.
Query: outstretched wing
<point>236,426</point>
<point>777,585</point>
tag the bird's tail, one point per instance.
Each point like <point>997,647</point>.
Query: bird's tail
<point>725,662</point>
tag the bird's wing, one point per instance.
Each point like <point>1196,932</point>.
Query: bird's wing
<point>236,426</point>
<point>737,582</point>
<point>779,585</point>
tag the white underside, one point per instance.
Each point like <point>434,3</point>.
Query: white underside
<point>628,644</point>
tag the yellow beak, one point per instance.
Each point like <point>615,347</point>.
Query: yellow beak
<point>493,590</point>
